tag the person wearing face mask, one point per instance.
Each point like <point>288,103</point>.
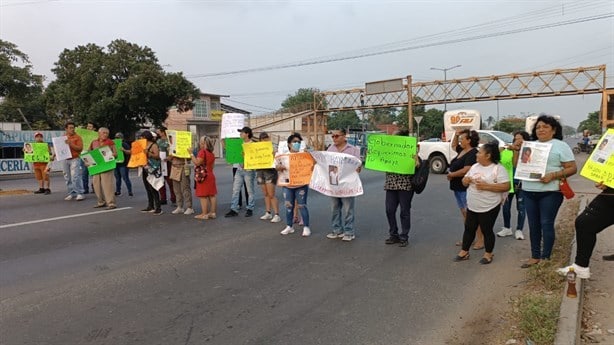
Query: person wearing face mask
<point>343,208</point>
<point>294,196</point>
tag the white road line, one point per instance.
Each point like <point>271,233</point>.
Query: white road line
<point>62,217</point>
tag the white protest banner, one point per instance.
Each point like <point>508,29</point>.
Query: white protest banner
<point>231,123</point>
<point>62,150</point>
<point>532,161</point>
<point>335,174</point>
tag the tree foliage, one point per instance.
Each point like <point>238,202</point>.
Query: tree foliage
<point>431,125</point>
<point>591,123</point>
<point>301,100</point>
<point>121,87</point>
<point>20,89</point>
<point>510,124</point>
<point>343,119</point>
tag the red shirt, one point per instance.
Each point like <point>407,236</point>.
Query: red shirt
<point>75,140</point>
<point>99,143</point>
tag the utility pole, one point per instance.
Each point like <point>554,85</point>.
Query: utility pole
<point>445,85</point>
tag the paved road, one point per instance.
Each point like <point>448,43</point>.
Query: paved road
<point>122,277</point>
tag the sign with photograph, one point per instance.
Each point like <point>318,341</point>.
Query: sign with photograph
<point>335,174</point>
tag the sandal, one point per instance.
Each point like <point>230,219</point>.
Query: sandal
<point>530,263</point>
<point>458,243</point>
<point>212,216</point>
<point>201,216</point>
<point>461,258</point>
<point>485,261</point>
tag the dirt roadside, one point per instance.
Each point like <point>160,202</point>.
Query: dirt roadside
<point>491,319</point>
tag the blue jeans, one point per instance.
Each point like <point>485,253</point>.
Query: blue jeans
<point>73,175</point>
<point>507,208</point>
<point>121,172</point>
<point>343,209</point>
<point>300,195</point>
<point>249,176</point>
<point>541,208</point>
<point>85,176</point>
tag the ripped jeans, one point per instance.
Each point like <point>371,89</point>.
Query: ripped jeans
<point>300,195</point>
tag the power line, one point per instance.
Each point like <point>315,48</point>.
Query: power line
<point>396,50</point>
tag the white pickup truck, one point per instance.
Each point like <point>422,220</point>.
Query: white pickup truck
<point>440,154</point>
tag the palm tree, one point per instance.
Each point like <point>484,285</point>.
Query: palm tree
<point>489,121</point>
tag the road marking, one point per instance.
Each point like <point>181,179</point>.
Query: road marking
<point>62,217</point>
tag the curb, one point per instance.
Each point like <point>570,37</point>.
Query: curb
<point>570,315</point>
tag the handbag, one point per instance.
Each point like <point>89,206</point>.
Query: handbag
<point>566,188</point>
<point>420,177</point>
<point>200,172</point>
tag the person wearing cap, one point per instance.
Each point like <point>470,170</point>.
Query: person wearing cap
<point>72,166</point>
<point>121,169</point>
<point>243,176</point>
<point>267,178</point>
<point>41,169</point>
<point>163,144</point>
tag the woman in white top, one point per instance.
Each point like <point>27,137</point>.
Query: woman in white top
<point>488,183</point>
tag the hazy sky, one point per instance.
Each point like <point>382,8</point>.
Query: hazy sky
<point>204,37</point>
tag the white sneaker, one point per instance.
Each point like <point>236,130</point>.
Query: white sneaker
<point>69,197</point>
<point>80,197</point>
<point>581,272</point>
<point>334,236</point>
<point>177,210</point>
<point>276,219</point>
<point>266,216</point>
<point>188,211</point>
<point>287,230</point>
<point>306,231</point>
<point>505,232</point>
<point>519,235</point>
<point>348,238</point>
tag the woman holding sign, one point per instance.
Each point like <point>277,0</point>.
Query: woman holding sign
<point>294,194</point>
<point>543,198</point>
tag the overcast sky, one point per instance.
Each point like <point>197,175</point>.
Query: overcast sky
<point>204,37</point>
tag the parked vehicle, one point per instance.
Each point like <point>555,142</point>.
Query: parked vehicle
<point>440,154</point>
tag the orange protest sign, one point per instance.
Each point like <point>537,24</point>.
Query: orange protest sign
<point>138,157</point>
<point>301,167</point>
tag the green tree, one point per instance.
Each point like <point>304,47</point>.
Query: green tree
<point>510,124</point>
<point>568,130</point>
<point>343,119</point>
<point>21,90</point>
<point>417,110</point>
<point>591,123</point>
<point>301,100</point>
<point>380,116</point>
<point>121,87</point>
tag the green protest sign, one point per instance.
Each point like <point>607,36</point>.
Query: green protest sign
<point>118,147</point>
<point>507,162</point>
<point>99,160</point>
<point>391,153</point>
<point>234,150</point>
<point>36,152</point>
<point>88,136</point>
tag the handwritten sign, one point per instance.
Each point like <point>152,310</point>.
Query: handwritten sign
<point>299,168</point>
<point>62,150</point>
<point>391,153</point>
<point>335,174</point>
<point>234,150</point>
<point>231,123</point>
<point>258,155</point>
<point>88,136</point>
<point>138,157</point>
<point>99,160</point>
<point>38,152</point>
<point>179,143</point>
<point>600,165</point>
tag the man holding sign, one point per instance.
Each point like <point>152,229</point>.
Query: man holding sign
<point>343,207</point>
<point>72,166</point>
<point>243,175</point>
<point>104,181</point>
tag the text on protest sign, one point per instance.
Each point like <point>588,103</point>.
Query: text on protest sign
<point>600,165</point>
<point>231,123</point>
<point>258,155</point>
<point>62,150</point>
<point>138,157</point>
<point>99,160</point>
<point>36,152</point>
<point>391,153</point>
<point>179,142</point>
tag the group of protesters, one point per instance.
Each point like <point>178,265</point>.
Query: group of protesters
<point>478,177</point>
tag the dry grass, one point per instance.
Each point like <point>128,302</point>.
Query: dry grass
<point>14,192</point>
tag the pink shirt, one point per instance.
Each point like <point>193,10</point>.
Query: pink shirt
<point>349,149</point>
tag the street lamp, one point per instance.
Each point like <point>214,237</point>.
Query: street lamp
<point>445,78</point>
